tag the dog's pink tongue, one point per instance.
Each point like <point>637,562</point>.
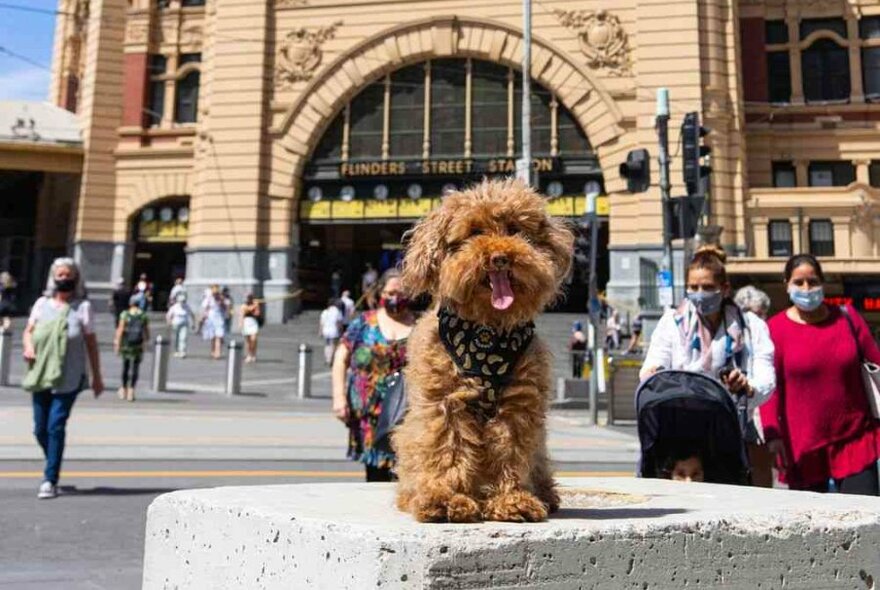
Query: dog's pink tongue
<point>502,294</point>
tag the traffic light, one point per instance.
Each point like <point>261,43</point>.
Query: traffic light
<point>692,153</point>
<point>637,171</point>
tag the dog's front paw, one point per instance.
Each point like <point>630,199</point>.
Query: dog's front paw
<point>443,507</point>
<point>550,499</point>
<point>463,508</point>
<point>515,506</point>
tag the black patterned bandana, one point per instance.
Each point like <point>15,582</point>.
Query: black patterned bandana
<point>485,354</point>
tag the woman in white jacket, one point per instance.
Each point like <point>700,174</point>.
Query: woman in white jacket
<point>708,334</point>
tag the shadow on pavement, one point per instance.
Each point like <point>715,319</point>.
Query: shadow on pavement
<point>107,491</point>
<point>615,513</point>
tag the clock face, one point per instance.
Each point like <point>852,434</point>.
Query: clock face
<point>414,191</point>
<point>554,189</point>
<point>347,193</point>
<point>166,214</point>
<point>449,187</point>
<point>315,194</point>
<point>380,192</point>
<point>183,214</point>
<point>148,214</point>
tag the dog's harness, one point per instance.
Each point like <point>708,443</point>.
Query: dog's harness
<point>485,354</point>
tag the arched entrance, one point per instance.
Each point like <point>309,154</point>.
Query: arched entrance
<point>391,153</point>
<point>160,230</point>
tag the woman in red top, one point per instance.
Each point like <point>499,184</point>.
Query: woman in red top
<point>818,424</point>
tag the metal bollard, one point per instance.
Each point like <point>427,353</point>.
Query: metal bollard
<point>233,368</point>
<point>304,373</point>
<point>5,355</point>
<point>161,346</point>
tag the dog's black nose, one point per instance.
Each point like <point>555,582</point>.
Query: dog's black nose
<point>500,261</point>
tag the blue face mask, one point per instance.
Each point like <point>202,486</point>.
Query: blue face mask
<point>807,300</point>
<point>706,302</point>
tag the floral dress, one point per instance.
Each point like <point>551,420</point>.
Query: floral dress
<point>372,360</point>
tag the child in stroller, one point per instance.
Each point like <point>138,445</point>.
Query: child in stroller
<point>691,429</point>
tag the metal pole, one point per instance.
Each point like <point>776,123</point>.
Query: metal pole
<point>526,163</point>
<point>233,368</point>
<point>304,372</point>
<point>594,307</point>
<point>160,363</point>
<point>662,126</point>
<point>5,355</point>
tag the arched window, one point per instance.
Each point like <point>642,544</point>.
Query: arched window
<point>825,70</point>
<point>449,108</point>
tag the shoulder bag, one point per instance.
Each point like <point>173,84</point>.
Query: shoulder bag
<point>870,371</point>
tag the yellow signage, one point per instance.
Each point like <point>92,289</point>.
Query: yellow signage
<point>456,167</point>
<point>412,209</point>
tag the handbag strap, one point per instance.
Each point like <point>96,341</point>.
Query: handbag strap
<point>852,330</point>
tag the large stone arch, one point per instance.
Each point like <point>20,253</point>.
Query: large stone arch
<point>304,121</point>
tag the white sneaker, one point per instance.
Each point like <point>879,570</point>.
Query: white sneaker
<point>47,491</point>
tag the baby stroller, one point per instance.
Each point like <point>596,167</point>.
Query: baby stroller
<point>685,410</point>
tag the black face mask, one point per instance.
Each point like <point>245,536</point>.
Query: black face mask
<point>65,285</point>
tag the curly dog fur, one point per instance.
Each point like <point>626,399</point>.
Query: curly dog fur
<point>452,465</point>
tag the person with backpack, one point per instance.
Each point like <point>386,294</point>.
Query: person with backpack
<point>131,334</point>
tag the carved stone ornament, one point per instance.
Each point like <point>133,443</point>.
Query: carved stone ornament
<point>137,32</point>
<point>300,53</point>
<point>866,211</point>
<point>602,38</point>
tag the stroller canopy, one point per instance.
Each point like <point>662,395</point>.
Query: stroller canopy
<point>684,410</point>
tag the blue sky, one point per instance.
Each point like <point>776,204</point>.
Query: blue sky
<point>29,34</point>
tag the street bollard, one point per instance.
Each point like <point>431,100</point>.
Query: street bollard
<point>5,355</point>
<point>161,346</point>
<point>233,368</point>
<point>304,374</point>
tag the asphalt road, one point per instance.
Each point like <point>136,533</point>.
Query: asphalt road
<point>92,536</point>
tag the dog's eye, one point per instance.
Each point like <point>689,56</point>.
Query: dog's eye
<point>513,229</point>
<point>476,232</point>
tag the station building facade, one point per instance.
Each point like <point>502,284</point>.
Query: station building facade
<point>278,146</point>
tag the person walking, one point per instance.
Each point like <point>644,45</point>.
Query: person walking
<point>612,330</point>
<point>750,299</point>
<point>119,300</point>
<point>347,308</point>
<point>229,306</point>
<point>635,341</point>
<point>181,318</point>
<point>58,340</point>
<point>176,290</point>
<point>214,321</point>
<point>329,326</point>
<point>250,318</point>
<point>7,299</point>
<point>819,424</point>
<point>373,350</point>
<point>577,348</point>
<point>131,333</point>
<point>708,334</point>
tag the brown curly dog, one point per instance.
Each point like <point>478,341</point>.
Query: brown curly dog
<point>473,444</point>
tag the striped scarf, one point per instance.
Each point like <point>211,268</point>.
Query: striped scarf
<point>697,339</point>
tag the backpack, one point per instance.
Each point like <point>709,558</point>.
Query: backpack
<point>134,330</point>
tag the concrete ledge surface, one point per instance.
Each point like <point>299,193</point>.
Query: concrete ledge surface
<point>610,533</point>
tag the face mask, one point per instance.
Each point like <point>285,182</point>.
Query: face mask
<point>706,302</point>
<point>394,304</point>
<point>65,285</point>
<point>807,300</point>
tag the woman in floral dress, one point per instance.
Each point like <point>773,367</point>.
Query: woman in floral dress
<point>373,349</point>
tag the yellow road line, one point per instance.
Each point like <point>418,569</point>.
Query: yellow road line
<point>249,473</point>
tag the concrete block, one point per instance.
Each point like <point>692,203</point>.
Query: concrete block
<point>610,533</point>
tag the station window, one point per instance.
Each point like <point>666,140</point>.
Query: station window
<point>784,175</point>
<point>779,231</point>
<point>821,237</point>
<point>832,173</point>
<point>778,76</point>
<point>874,173</point>
<point>186,92</point>
<point>825,70</point>
<point>155,109</point>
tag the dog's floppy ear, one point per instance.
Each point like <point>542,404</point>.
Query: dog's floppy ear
<point>425,249</point>
<point>559,239</point>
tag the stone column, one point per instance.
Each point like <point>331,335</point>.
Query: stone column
<point>229,207</point>
<point>100,112</point>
